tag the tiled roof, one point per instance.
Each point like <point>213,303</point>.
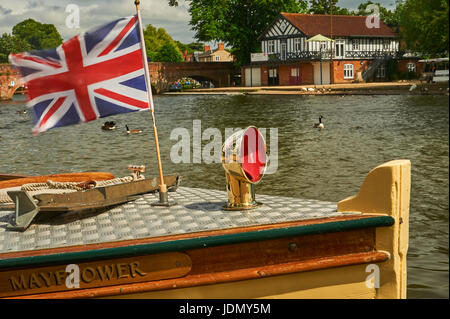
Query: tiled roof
<point>313,24</point>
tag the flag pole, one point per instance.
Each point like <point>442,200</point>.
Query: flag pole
<point>163,196</point>
<point>331,37</point>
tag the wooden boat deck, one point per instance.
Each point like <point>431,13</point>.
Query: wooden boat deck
<point>196,242</point>
<point>198,210</point>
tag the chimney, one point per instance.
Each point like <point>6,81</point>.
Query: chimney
<point>207,48</point>
<point>221,46</point>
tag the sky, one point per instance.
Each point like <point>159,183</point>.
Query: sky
<point>94,13</point>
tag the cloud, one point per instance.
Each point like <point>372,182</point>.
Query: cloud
<point>95,13</point>
<point>353,4</point>
<point>4,11</point>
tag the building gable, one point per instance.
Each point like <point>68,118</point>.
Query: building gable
<point>280,28</point>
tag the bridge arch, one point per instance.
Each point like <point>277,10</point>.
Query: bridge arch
<point>10,81</point>
<point>200,78</point>
<point>164,74</point>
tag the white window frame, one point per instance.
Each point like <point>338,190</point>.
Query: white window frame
<point>295,72</point>
<point>271,46</point>
<point>283,51</point>
<point>273,73</point>
<point>217,58</point>
<point>381,71</point>
<point>411,67</point>
<point>297,44</point>
<point>355,44</point>
<point>349,71</point>
<point>339,47</point>
<point>386,44</point>
<point>323,46</point>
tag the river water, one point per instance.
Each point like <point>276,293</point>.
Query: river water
<point>361,132</point>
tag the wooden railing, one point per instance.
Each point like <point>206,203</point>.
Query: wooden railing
<point>317,55</point>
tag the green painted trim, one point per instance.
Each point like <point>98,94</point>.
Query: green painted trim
<point>194,243</point>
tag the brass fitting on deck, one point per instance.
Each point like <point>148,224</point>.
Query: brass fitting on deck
<point>244,161</point>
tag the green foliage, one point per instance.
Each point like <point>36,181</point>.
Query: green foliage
<point>11,44</point>
<point>38,35</point>
<point>191,47</point>
<point>387,16</point>
<point>168,52</point>
<point>424,26</point>
<point>238,22</point>
<point>323,7</point>
<point>160,45</point>
<point>29,35</point>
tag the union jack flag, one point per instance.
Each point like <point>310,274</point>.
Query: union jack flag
<point>93,75</point>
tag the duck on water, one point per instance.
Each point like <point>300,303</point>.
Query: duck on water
<point>132,131</point>
<point>320,125</point>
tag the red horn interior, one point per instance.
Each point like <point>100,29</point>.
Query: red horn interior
<point>253,154</point>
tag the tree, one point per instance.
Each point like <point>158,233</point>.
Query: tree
<point>168,52</point>
<point>238,23</point>
<point>38,35</point>
<point>11,44</point>
<point>155,39</point>
<point>191,47</point>
<point>387,16</point>
<point>424,25</point>
<point>323,7</point>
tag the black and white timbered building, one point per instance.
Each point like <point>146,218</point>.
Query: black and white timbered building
<point>359,49</point>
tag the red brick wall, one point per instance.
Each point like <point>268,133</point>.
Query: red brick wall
<point>338,70</point>
<point>403,66</point>
<point>264,75</point>
<point>284,72</point>
<point>307,73</point>
<point>8,74</point>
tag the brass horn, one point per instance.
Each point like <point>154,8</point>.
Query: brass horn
<point>244,160</point>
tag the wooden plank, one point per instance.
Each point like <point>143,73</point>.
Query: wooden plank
<point>94,274</point>
<point>281,250</point>
<point>100,197</point>
<point>255,259</point>
<point>7,177</point>
<point>205,280</point>
<point>69,177</point>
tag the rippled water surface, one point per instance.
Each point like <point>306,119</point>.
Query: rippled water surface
<point>360,133</point>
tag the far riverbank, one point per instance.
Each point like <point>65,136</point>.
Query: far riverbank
<point>377,88</point>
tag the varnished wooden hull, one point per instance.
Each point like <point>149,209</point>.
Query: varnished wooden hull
<point>351,255</point>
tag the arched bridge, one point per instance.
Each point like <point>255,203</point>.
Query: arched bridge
<point>10,81</point>
<point>162,75</point>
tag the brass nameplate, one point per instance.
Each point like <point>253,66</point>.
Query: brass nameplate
<point>94,274</point>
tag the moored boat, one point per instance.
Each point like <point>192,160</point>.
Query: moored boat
<point>287,248</point>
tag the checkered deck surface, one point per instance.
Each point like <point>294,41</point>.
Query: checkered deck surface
<point>197,210</point>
